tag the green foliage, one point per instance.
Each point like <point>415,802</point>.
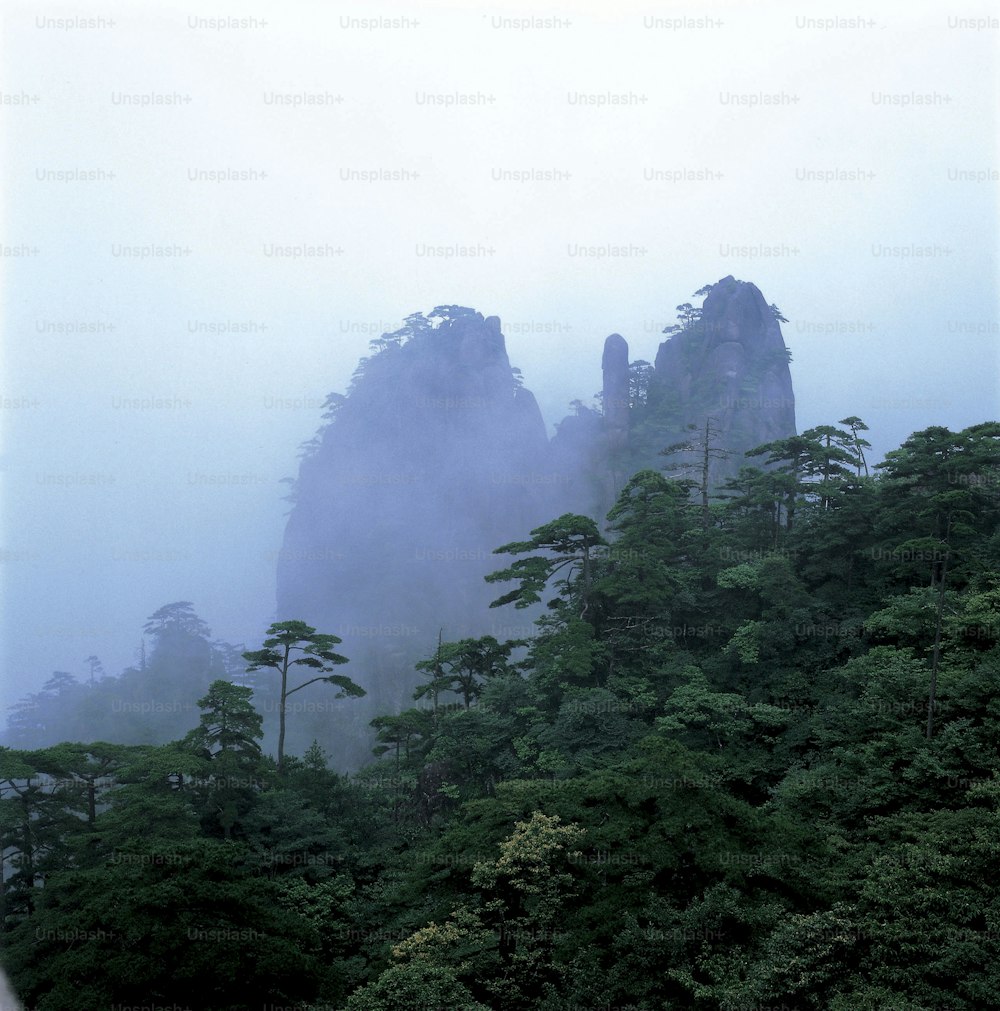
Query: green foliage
<point>571,539</point>
<point>229,724</point>
<point>414,984</point>
<point>687,316</point>
<point>152,702</point>
<point>317,653</point>
<point>708,781</point>
<point>464,667</point>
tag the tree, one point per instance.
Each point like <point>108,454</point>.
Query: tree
<point>229,723</point>
<point>735,725</point>
<point>180,668</point>
<point>706,451</point>
<point>59,684</point>
<point>856,425</point>
<point>415,984</point>
<point>178,617</point>
<point>395,732</point>
<point>462,667</point>
<point>571,538</point>
<point>687,316</point>
<point>648,577</point>
<point>287,637</point>
<point>833,453</point>
<point>227,662</point>
<point>172,923</point>
<point>753,506</point>
<point>504,949</point>
<point>22,808</point>
<point>415,325</point>
<point>95,668</point>
<point>226,737</point>
<point>639,374</point>
<point>791,456</point>
<point>449,313</point>
<point>83,773</point>
<point>526,888</point>
<point>934,482</point>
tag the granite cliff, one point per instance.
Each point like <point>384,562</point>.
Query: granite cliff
<point>438,454</point>
<point>730,365</point>
<point>722,371</point>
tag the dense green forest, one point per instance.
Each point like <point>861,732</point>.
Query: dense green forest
<point>748,760</point>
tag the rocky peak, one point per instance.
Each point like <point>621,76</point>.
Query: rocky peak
<point>615,398</point>
<point>438,455</point>
<point>728,364</point>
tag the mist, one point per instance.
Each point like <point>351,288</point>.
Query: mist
<point>208,218</point>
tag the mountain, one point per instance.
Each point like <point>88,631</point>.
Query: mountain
<point>730,365</point>
<point>724,368</point>
<point>438,454</point>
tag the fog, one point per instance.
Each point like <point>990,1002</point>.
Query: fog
<point>208,216</point>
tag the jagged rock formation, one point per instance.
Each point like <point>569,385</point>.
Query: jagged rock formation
<point>580,462</point>
<point>592,449</point>
<point>726,367</point>
<point>438,455</point>
<point>615,392</point>
<point>731,365</point>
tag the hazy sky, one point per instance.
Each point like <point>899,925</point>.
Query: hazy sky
<point>576,170</point>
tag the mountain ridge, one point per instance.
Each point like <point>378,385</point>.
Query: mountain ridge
<point>438,453</point>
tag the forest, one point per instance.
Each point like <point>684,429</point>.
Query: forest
<point>747,759</point>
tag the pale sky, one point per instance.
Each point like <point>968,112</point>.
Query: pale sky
<point>845,162</point>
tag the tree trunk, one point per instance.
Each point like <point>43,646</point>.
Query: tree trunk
<point>281,713</point>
